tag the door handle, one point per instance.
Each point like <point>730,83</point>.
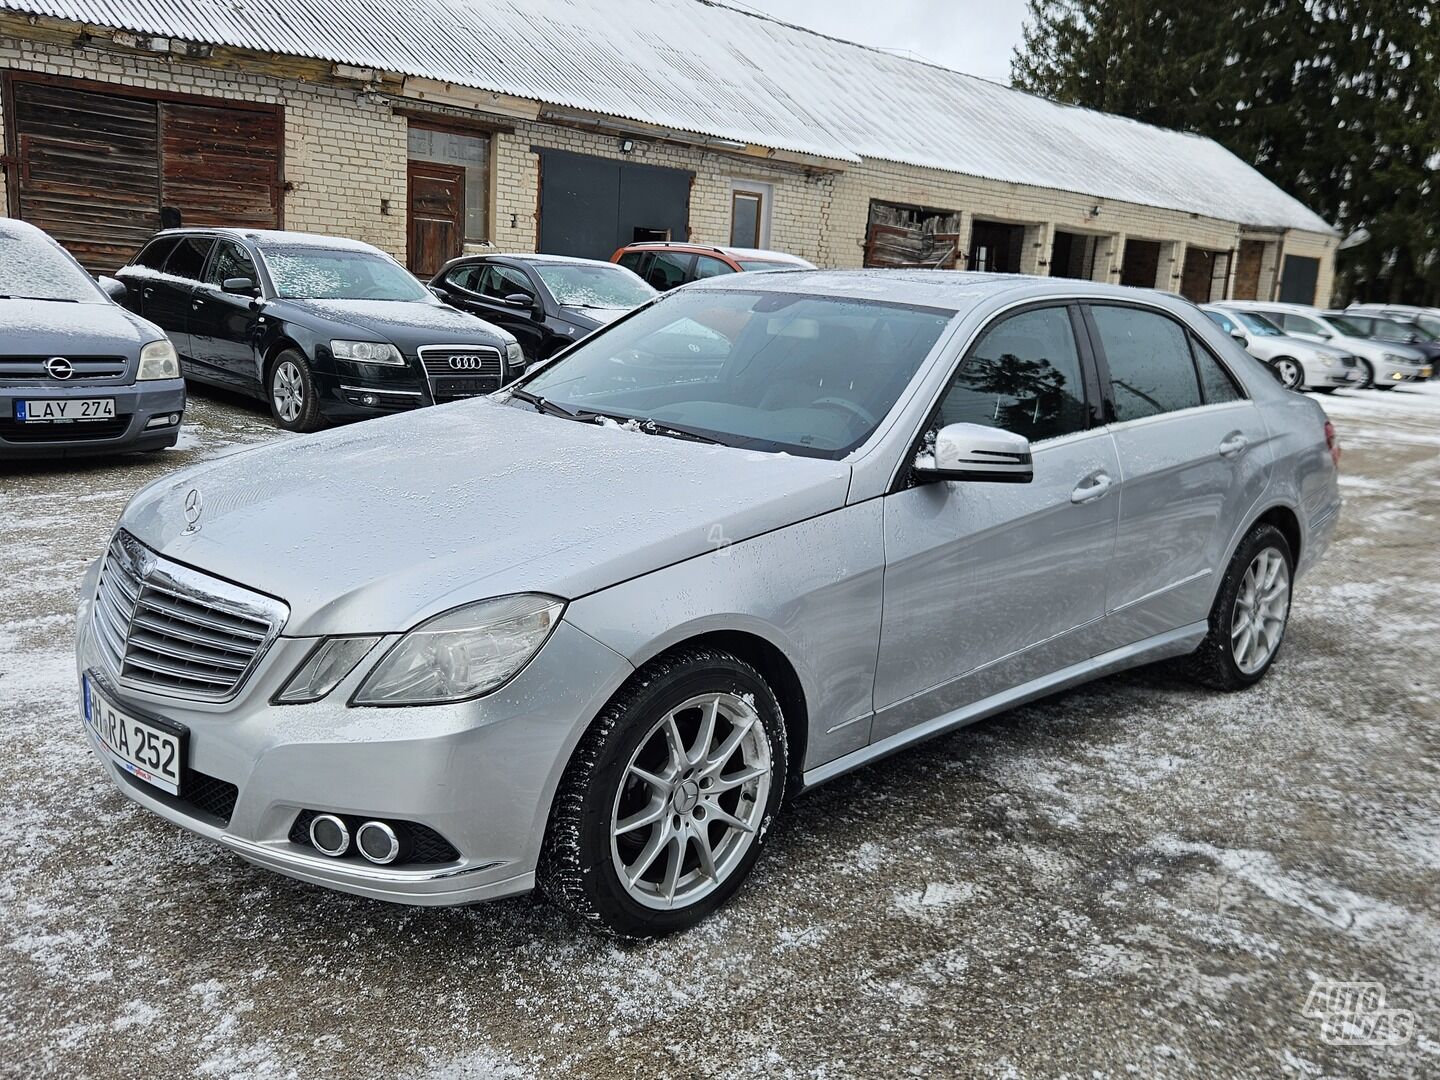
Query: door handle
<point>196,305</point>
<point>1233,444</point>
<point>149,293</point>
<point>1092,487</point>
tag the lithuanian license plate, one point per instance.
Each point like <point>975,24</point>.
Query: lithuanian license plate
<point>149,750</point>
<point>52,411</point>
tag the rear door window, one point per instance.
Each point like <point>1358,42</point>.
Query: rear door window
<point>1023,376</point>
<point>152,256</point>
<point>1151,368</point>
<point>1216,382</point>
<point>668,269</point>
<point>188,258</point>
<point>634,260</point>
<point>708,266</point>
<point>467,277</point>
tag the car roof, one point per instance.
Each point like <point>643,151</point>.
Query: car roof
<point>277,237</point>
<point>528,257</point>
<point>718,249</point>
<point>22,230</point>
<point>954,290</point>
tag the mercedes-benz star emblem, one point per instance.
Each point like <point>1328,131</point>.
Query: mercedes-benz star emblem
<point>59,367</point>
<point>194,507</point>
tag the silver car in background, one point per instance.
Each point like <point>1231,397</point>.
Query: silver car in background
<point>588,634</point>
<point>1298,364</point>
<point>1382,365</point>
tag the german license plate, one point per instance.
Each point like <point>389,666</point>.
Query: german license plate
<point>53,411</point>
<point>146,749</point>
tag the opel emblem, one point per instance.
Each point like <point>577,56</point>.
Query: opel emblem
<point>194,507</point>
<point>59,367</point>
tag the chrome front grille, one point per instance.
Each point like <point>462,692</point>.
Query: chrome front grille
<point>86,369</point>
<point>172,630</point>
<point>462,371</point>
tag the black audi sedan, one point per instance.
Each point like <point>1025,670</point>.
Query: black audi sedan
<point>546,301</point>
<point>78,373</point>
<point>320,328</point>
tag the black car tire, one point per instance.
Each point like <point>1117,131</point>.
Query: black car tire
<point>1324,389</point>
<point>577,868</point>
<point>288,376</point>
<point>1213,664</point>
<point>1297,381</point>
<point>1367,374</point>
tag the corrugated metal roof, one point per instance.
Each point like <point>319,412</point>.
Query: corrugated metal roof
<point>703,68</point>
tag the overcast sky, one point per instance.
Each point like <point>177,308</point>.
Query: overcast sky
<point>974,36</point>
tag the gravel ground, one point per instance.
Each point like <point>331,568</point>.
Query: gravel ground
<point>1134,879</point>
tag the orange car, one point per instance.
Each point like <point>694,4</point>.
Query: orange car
<point>665,264</point>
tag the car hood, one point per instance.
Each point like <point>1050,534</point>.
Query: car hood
<point>369,529</point>
<point>52,328</point>
<point>402,322</point>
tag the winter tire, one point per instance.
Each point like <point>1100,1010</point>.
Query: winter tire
<point>1367,374</point>
<point>1251,612</point>
<point>1289,372</point>
<point>291,391</point>
<point>666,803</point>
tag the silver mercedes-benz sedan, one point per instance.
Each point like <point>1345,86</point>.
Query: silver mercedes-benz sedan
<point>589,633</point>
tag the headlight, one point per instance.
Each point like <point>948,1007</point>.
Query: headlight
<point>1327,361</point>
<point>367,352</point>
<point>158,361</point>
<point>514,355</point>
<point>1396,358</point>
<point>463,653</point>
<point>324,667</point>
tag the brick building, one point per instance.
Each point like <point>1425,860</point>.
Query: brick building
<point>574,128</point>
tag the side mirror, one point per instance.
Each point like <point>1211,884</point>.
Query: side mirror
<point>977,453</point>
<point>113,288</point>
<point>1239,335</point>
<point>240,286</point>
<point>437,292</point>
<point>519,300</point>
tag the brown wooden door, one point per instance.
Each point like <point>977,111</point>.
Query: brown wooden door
<point>221,165</point>
<point>437,216</point>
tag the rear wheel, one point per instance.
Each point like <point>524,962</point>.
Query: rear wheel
<point>294,399</point>
<point>665,805</point>
<point>1251,612</point>
<point>1289,372</point>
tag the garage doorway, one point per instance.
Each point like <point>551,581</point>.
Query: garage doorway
<point>902,236</point>
<point>436,216</point>
<point>1205,275</point>
<point>996,247</point>
<point>1141,265</point>
<point>100,169</point>
<point>1298,282</point>
<point>589,206</point>
<point>1248,262</point>
<point>1073,255</point>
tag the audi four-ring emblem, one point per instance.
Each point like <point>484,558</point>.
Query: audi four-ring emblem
<point>467,363</point>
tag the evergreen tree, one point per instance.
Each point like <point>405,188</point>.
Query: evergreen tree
<point>1336,101</point>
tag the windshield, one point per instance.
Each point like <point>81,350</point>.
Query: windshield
<point>771,371</point>
<point>1429,323</point>
<point>598,286</point>
<point>1259,325</point>
<point>32,268</point>
<point>1389,330</point>
<point>764,264</point>
<point>338,274</point>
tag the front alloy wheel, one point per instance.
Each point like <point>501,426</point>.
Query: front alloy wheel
<point>666,801</point>
<point>1289,372</point>
<point>294,401</point>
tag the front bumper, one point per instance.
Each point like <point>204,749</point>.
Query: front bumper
<point>481,773</point>
<point>136,405</point>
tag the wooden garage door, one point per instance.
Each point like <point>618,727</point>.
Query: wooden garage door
<point>95,167</point>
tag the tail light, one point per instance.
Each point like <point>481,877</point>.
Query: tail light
<point>1332,442</point>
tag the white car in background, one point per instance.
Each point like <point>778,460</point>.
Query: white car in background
<point>1298,364</point>
<point>1383,365</point>
<point>1426,318</point>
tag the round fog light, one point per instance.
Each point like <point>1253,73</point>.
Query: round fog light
<point>377,842</point>
<point>329,835</point>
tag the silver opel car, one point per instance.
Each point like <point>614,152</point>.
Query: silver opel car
<point>589,633</point>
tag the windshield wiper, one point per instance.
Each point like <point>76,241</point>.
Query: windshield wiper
<point>663,427</point>
<point>544,406</point>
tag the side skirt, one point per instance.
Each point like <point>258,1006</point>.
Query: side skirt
<point>1163,646</point>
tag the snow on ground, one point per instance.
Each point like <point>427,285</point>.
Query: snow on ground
<point>1137,878</point>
